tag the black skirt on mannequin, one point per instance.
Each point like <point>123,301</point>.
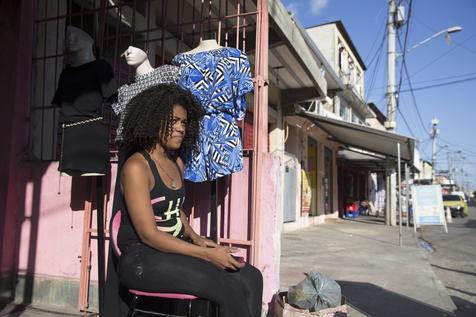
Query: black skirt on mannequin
<point>81,92</point>
<point>85,148</point>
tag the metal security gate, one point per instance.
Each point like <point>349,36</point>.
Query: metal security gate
<point>290,187</point>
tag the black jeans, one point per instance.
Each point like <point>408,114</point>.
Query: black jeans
<point>236,293</point>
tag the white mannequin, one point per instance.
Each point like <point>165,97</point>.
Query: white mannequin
<point>137,58</point>
<point>205,45</point>
<point>79,45</point>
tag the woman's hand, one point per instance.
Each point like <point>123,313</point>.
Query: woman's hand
<point>221,257</point>
<point>203,242</point>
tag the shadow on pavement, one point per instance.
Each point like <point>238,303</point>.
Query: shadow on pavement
<point>470,224</point>
<point>465,308</point>
<point>462,291</point>
<point>11,310</point>
<point>368,219</point>
<point>453,270</point>
<point>373,300</point>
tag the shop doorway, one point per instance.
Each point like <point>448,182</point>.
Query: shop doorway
<point>312,174</point>
<point>328,180</point>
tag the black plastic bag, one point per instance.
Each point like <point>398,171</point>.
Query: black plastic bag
<point>315,292</point>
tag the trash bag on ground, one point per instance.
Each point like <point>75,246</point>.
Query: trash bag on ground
<point>315,292</point>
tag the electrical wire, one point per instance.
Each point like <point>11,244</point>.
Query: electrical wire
<point>379,53</point>
<point>431,80</point>
<point>438,58</point>
<point>441,84</point>
<point>404,49</point>
<point>406,123</point>
<point>415,105</point>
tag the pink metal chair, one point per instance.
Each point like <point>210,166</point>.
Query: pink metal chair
<point>114,229</point>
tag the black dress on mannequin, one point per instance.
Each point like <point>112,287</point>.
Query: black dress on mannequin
<point>81,92</point>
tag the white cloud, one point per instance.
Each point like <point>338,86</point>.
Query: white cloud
<point>318,5</point>
<point>292,8</point>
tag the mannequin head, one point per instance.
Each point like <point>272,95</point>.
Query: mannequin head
<point>77,40</point>
<point>135,56</point>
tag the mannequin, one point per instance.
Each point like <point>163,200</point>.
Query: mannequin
<point>205,45</point>
<point>79,45</point>
<point>137,58</point>
<point>83,86</point>
<point>145,77</point>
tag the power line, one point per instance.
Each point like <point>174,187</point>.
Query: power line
<point>414,98</point>
<point>378,53</point>
<point>439,57</point>
<point>404,65</point>
<point>432,80</point>
<point>406,123</point>
<point>457,146</point>
<point>441,84</point>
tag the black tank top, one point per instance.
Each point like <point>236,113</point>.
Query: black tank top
<point>166,204</point>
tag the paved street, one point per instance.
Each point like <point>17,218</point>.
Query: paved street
<point>454,260</point>
<point>378,277</point>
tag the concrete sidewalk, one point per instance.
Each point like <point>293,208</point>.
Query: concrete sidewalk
<point>378,277</point>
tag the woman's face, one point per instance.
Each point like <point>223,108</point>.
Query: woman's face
<point>174,140</point>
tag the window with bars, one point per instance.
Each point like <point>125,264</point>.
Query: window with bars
<point>162,28</point>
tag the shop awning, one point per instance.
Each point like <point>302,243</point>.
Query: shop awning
<point>363,137</point>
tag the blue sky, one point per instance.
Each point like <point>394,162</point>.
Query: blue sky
<point>443,77</point>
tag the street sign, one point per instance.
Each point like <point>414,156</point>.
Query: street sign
<point>428,207</point>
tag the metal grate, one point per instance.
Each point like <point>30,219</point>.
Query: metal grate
<point>162,28</point>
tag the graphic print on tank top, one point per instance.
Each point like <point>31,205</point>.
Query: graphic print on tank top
<point>170,221</point>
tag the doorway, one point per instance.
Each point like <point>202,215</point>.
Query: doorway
<point>328,180</point>
<point>312,174</point>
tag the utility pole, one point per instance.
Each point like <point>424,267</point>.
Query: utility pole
<point>391,124</point>
<point>450,167</point>
<point>434,132</point>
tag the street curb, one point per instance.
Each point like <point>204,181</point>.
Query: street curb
<point>442,291</point>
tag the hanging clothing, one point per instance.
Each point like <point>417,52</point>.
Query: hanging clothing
<point>219,79</point>
<point>81,93</point>
<point>165,74</point>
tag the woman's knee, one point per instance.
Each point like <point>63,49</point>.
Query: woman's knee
<point>253,275</point>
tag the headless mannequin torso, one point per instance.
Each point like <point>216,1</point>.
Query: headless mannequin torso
<point>205,45</point>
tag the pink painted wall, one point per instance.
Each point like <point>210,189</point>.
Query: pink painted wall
<point>269,224</point>
<point>41,230</point>
<point>15,62</point>
<point>52,228</point>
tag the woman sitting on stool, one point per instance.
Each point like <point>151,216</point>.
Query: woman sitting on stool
<point>160,250</point>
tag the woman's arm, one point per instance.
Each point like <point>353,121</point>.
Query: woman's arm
<point>189,232</point>
<point>135,181</point>
<point>196,238</point>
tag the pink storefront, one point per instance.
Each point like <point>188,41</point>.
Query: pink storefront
<point>48,254</point>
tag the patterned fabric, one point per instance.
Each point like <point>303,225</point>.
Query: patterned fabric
<point>219,79</point>
<point>165,74</point>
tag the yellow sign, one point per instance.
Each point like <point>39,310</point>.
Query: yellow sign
<point>306,191</point>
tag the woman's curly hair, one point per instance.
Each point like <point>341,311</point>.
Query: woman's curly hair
<point>150,115</point>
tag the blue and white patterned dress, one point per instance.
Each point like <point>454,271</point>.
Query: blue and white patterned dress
<point>219,79</point>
